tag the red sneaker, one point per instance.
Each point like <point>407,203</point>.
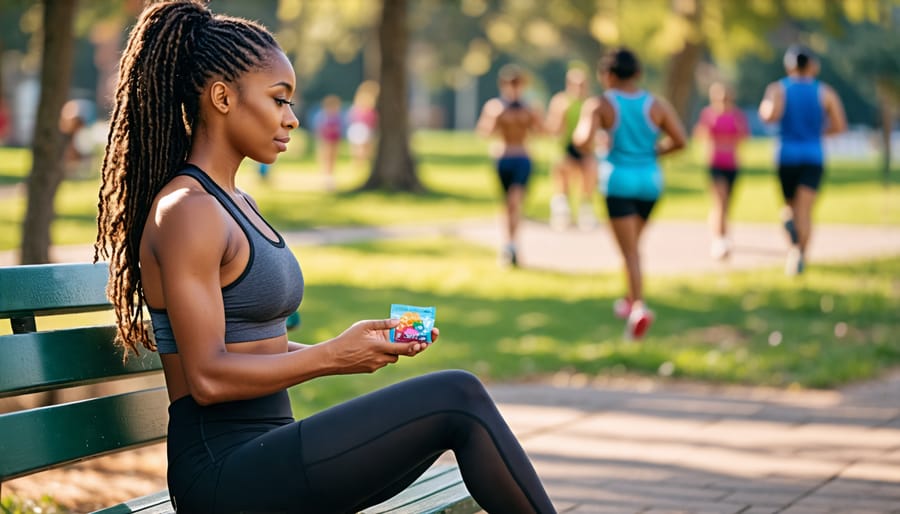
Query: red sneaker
<point>639,321</point>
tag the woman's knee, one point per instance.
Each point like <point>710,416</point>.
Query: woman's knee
<point>461,388</point>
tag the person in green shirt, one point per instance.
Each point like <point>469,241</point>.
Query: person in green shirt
<point>575,169</point>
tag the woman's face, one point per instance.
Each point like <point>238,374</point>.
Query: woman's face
<point>259,125</point>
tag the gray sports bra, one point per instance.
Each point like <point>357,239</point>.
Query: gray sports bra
<point>259,301</point>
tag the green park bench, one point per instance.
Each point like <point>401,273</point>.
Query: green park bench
<point>42,438</point>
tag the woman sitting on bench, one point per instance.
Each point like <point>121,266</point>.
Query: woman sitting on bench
<point>197,94</point>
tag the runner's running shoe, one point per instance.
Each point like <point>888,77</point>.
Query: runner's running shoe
<point>794,264</point>
<point>719,249</point>
<point>638,322</point>
<point>560,213</point>
<point>587,220</point>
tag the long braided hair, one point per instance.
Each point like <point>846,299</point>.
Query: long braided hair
<point>173,51</point>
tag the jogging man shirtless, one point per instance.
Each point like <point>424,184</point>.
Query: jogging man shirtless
<point>508,117</point>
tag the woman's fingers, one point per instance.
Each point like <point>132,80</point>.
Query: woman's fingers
<point>378,324</point>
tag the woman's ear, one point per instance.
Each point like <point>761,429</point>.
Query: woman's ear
<point>219,96</point>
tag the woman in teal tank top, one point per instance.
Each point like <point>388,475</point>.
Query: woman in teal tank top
<point>630,176</point>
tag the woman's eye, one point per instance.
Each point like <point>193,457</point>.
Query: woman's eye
<point>282,102</point>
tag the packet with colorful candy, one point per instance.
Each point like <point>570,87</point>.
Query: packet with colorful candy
<point>415,323</point>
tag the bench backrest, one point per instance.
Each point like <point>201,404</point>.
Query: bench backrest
<point>33,360</point>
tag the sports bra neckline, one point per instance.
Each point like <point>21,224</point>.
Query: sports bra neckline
<point>207,182</point>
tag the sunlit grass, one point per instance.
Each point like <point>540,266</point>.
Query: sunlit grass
<point>831,327</point>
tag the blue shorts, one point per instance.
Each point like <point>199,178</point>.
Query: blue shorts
<point>513,171</point>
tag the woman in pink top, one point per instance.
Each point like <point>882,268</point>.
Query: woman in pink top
<point>725,126</point>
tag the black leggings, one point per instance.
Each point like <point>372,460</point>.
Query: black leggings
<point>250,456</point>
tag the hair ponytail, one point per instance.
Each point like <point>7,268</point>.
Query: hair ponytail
<point>172,52</point>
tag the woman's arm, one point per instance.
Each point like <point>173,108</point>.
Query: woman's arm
<point>554,122</point>
<point>589,122</point>
<point>670,125</point>
<point>834,111</point>
<point>189,257</point>
<point>487,121</point>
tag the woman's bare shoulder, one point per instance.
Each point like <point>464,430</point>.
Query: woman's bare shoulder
<point>184,215</point>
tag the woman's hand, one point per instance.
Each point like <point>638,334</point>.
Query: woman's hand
<point>366,347</point>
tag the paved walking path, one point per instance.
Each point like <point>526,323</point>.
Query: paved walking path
<point>647,446</point>
<point>669,247</point>
<point>682,247</point>
<point>654,447</point>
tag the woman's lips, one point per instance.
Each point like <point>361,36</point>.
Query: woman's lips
<point>281,143</point>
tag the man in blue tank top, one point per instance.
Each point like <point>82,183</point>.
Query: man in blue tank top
<point>806,110</point>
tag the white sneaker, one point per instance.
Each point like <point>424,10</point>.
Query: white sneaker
<point>794,264</point>
<point>587,220</point>
<point>560,213</point>
<point>508,256</point>
<point>719,248</point>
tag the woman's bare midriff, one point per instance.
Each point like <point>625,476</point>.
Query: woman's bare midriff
<point>174,372</point>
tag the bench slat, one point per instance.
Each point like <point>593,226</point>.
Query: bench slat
<point>440,490</point>
<point>156,503</point>
<point>43,438</point>
<point>43,361</point>
<point>53,289</point>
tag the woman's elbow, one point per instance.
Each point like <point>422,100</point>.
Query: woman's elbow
<point>206,391</point>
<point>204,397</point>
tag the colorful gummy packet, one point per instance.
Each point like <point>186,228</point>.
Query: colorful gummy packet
<point>415,323</point>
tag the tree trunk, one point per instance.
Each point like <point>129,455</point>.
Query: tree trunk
<point>393,169</point>
<point>681,80</point>
<point>887,122</point>
<point>886,110</point>
<point>47,144</point>
<point>680,75</point>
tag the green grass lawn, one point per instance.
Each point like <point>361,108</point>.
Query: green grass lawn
<point>461,183</point>
<point>836,324</point>
<point>833,325</point>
